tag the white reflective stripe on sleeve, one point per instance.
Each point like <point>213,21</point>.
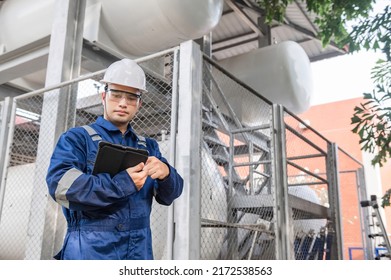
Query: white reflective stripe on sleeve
<point>94,135</point>
<point>142,141</point>
<point>96,138</point>
<point>65,183</point>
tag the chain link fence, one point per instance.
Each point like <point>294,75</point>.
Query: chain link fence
<point>308,187</point>
<point>352,186</point>
<point>236,170</point>
<point>239,204</point>
<point>83,106</point>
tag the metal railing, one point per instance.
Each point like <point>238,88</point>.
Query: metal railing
<point>271,186</point>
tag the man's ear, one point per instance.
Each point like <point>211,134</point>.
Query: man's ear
<point>103,97</point>
<point>140,102</point>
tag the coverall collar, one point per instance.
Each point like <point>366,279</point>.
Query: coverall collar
<point>107,125</point>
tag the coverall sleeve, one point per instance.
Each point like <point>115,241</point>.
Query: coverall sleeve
<point>167,190</point>
<point>74,189</point>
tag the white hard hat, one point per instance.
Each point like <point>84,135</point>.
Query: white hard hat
<point>125,72</point>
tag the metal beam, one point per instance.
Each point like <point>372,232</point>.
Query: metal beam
<point>282,213</point>
<point>243,16</point>
<point>334,194</point>
<point>25,60</point>
<point>187,207</point>
<point>46,222</point>
<point>303,12</point>
<point>9,91</point>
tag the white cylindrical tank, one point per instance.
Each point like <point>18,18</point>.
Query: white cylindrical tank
<point>131,27</point>
<point>281,73</point>
<point>23,22</point>
<point>144,27</point>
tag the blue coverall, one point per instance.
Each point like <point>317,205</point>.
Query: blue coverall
<point>107,217</point>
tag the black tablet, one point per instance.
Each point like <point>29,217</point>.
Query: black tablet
<point>113,158</point>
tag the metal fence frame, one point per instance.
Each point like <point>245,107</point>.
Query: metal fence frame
<point>46,224</point>
<point>190,233</point>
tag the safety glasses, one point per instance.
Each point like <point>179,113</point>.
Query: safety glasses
<point>117,95</point>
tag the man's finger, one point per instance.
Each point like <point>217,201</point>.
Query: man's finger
<point>136,168</point>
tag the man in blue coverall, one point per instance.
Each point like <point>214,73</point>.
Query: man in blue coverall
<point>109,217</point>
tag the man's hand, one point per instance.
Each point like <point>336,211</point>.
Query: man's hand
<point>156,168</point>
<point>138,175</point>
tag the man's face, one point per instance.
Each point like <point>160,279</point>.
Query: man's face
<point>121,104</point>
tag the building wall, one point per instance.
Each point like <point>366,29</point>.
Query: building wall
<point>333,120</point>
